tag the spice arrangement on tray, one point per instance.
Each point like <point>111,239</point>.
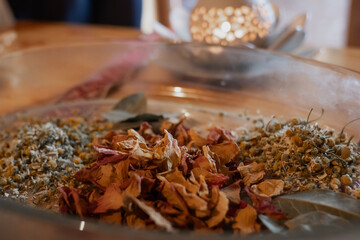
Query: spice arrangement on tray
<point>157,172</point>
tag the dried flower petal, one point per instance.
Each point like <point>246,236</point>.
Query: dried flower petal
<point>251,173</point>
<point>225,151</point>
<point>269,188</point>
<point>105,150</point>
<point>245,220</point>
<point>192,200</point>
<point>169,151</point>
<point>196,139</point>
<point>111,200</point>
<point>168,191</point>
<point>264,206</point>
<point>232,192</point>
<point>219,212</point>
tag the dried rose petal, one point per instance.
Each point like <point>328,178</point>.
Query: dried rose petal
<point>245,220</point>
<point>225,151</point>
<point>111,200</point>
<point>251,173</point>
<point>219,135</point>
<point>264,206</point>
<point>167,189</point>
<point>196,139</point>
<point>105,150</point>
<point>269,188</point>
<point>192,200</point>
<point>212,179</point>
<point>112,159</point>
<point>219,212</point>
<point>72,198</point>
<point>232,192</point>
<point>169,151</point>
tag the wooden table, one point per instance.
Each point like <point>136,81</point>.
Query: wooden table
<point>37,34</point>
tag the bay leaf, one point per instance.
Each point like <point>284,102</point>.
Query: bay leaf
<point>337,204</point>
<point>135,121</point>
<point>274,226</point>
<point>135,104</point>
<point>314,220</point>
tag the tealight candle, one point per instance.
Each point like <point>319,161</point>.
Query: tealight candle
<point>230,22</point>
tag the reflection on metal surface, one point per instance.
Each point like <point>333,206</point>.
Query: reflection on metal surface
<point>178,92</point>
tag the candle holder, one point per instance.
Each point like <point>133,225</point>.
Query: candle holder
<point>232,22</point>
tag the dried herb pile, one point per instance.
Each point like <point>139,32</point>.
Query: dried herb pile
<point>173,178</point>
<point>38,157</point>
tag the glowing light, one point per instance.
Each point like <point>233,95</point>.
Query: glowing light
<point>230,37</point>
<point>82,226</point>
<point>229,24</point>
<point>240,32</point>
<point>226,27</point>
<point>219,33</point>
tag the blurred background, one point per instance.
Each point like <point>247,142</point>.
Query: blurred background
<point>331,23</point>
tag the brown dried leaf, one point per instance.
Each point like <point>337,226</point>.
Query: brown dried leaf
<point>111,200</point>
<point>245,220</point>
<point>251,173</point>
<point>269,188</point>
<point>232,192</point>
<point>219,212</point>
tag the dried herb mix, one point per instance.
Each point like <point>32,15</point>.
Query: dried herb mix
<point>174,178</point>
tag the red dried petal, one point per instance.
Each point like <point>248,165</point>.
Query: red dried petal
<point>264,206</point>
<point>105,150</point>
<point>219,135</point>
<point>112,159</point>
<point>111,200</point>
<point>73,201</point>
<point>216,179</point>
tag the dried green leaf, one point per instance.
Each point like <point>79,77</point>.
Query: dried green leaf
<point>311,220</point>
<point>337,204</point>
<point>136,120</point>
<point>135,103</point>
<point>272,224</point>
